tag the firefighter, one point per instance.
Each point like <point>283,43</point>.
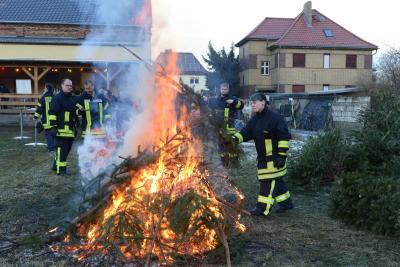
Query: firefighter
<point>271,137</point>
<point>42,110</point>
<point>94,111</point>
<point>226,107</point>
<point>62,116</point>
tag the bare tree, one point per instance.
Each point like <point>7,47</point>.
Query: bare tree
<point>389,68</point>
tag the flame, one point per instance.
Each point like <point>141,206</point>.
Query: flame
<point>170,177</point>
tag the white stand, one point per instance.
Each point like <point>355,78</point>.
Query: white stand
<point>35,143</point>
<point>22,127</point>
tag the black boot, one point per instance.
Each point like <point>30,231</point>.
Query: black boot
<point>256,211</point>
<point>284,208</point>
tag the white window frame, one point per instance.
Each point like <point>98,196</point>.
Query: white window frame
<point>325,87</point>
<point>327,61</point>
<point>265,68</point>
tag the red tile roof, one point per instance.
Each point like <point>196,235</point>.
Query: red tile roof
<point>268,29</point>
<point>297,34</point>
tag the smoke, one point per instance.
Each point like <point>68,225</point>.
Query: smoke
<point>126,22</point>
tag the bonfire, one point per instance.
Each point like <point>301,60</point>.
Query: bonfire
<point>162,204</point>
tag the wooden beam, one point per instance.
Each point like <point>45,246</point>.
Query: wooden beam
<point>44,73</point>
<point>115,74</point>
<point>101,74</point>
<point>36,80</point>
<point>28,73</point>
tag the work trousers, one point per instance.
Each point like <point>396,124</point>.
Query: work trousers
<point>271,191</point>
<point>62,149</point>
<point>50,138</point>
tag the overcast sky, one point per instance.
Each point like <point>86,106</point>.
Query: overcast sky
<point>188,25</point>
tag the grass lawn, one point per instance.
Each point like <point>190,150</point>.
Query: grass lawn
<point>33,200</point>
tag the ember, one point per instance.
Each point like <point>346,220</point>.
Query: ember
<point>159,205</point>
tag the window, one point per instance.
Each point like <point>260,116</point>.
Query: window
<point>299,60</point>
<point>265,68</point>
<point>194,80</point>
<point>298,88</point>
<point>351,61</point>
<point>326,87</point>
<point>328,33</point>
<point>327,61</point>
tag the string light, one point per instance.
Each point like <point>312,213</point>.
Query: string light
<point>81,69</point>
<point>17,69</point>
<point>70,70</point>
<point>29,69</point>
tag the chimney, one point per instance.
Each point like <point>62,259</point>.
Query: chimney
<point>307,13</point>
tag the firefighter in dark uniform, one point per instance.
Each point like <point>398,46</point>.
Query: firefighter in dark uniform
<point>62,116</point>
<point>271,136</point>
<point>42,110</point>
<point>94,111</point>
<point>226,107</point>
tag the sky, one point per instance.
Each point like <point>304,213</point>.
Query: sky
<point>189,25</point>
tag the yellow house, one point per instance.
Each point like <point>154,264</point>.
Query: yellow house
<point>306,54</point>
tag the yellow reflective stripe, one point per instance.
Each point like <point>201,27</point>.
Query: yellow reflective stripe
<point>88,116</point>
<point>282,197</point>
<point>106,106</point>
<point>61,164</point>
<point>270,169</point>
<point>79,105</point>
<point>58,159</point>
<point>272,175</point>
<point>282,153</point>
<point>283,144</point>
<point>52,117</point>
<point>47,102</point>
<point>36,115</point>
<point>230,130</point>
<point>238,105</point>
<point>268,147</point>
<point>268,208</point>
<point>101,113</point>
<point>239,136</point>
<point>226,114</point>
<point>38,104</point>
<point>107,116</point>
<point>66,116</point>
<point>266,200</point>
<point>66,135</point>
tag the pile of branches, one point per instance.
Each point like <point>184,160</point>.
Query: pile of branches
<point>188,212</point>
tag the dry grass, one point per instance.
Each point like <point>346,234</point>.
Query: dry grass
<point>33,200</point>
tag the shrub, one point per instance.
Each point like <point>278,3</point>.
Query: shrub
<point>368,201</point>
<point>320,161</point>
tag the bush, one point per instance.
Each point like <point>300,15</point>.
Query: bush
<point>320,161</point>
<point>369,196</point>
<point>368,201</point>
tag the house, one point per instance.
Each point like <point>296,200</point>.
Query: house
<point>308,53</point>
<point>189,70</point>
<point>44,41</point>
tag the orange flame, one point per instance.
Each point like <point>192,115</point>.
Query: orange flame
<point>147,186</point>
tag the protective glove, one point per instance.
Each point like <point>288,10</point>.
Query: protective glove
<point>280,161</point>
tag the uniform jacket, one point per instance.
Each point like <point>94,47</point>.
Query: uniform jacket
<point>226,111</point>
<point>271,137</point>
<point>62,114</point>
<point>43,108</point>
<point>94,115</point>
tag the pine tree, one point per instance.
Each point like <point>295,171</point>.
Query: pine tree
<point>224,66</point>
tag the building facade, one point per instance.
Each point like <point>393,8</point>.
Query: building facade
<point>309,53</point>
<point>45,41</point>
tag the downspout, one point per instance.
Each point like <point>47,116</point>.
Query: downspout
<point>279,68</point>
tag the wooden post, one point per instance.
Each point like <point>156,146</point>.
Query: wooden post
<point>35,77</point>
<point>35,80</point>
